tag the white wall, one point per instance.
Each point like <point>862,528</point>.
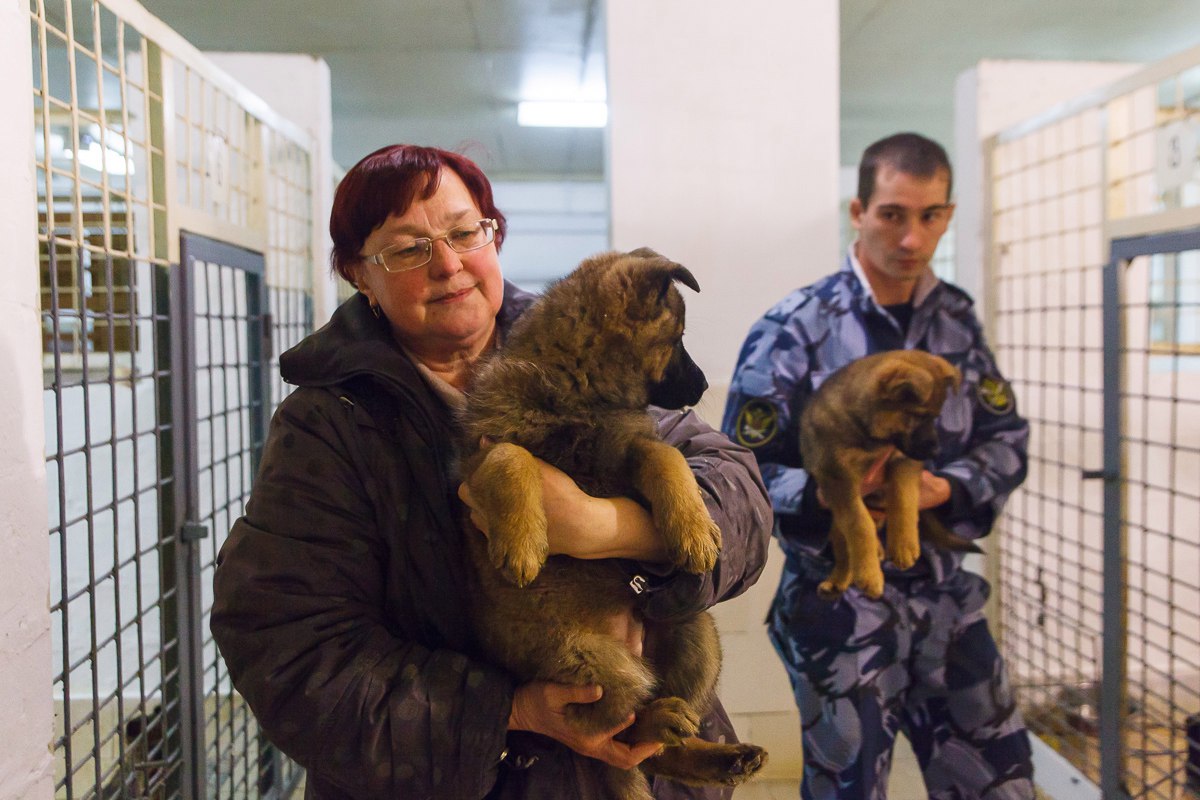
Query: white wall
<point>26,719</point>
<point>298,87</point>
<point>723,155</point>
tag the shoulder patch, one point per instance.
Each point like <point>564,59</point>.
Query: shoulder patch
<point>996,395</point>
<point>757,423</point>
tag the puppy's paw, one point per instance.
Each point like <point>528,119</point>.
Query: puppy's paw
<point>669,720</point>
<point>737,763</point>
<point>838,582</point>
<point>903,551</point>
<point>519,555</point>
<point>870,581</point>
<point>700,546</point>
<point>700,763</point>
<point>829,590</point>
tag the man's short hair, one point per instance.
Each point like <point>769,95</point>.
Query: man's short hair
<point>910,153</point>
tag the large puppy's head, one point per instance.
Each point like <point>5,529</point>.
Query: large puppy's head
<point>911,387</point>
<point>641,314</point>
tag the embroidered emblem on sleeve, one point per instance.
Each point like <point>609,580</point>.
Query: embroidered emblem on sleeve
<point>996,396</point>
<point>757,423</point>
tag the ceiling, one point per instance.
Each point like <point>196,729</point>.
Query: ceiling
<point>449,72</point>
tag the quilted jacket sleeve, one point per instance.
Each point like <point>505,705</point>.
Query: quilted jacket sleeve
<point>300,618</point>
<point>737,501</point>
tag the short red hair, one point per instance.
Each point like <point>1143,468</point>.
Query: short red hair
<point>388,182</point>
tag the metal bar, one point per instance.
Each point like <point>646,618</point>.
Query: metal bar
<point>1113,643</point>
<point>179,707</point>
<point>191,681</point>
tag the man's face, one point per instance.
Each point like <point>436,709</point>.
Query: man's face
<point>899,229</point>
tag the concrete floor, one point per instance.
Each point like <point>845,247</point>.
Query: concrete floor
<point>905,782</point>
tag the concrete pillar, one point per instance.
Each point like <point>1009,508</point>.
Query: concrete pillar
<point>26,722</point>
<point>723,155</point>
<point>723,152</point>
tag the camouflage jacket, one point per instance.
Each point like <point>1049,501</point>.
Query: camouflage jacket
<point>339,595</point>
<point>814,331</point>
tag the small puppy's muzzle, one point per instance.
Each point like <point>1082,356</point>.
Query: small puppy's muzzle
<point>921,443</point>
<point>683,383</point>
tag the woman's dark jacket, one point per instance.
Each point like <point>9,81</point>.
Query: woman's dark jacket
<point>338,596</point>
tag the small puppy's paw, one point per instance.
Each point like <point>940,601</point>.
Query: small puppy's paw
<point>870,581</point>
<point>669,720</point>
<point>903,551</point>
<point>829,590</point>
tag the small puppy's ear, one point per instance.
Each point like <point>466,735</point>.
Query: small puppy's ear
<point>950,375</point>
<point>903,386</point>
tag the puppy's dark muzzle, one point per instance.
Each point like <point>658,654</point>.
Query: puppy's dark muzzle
<point>683,383</point>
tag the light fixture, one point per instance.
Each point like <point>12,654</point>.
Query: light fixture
<point>562,114</point>
<point>101,159</point>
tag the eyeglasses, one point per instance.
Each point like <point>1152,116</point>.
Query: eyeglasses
<point>413,253</point>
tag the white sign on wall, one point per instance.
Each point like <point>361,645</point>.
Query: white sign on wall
<point>1175,154</point>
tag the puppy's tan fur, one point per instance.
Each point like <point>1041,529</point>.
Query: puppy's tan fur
<point>571,387</point>
<point>885,400</point>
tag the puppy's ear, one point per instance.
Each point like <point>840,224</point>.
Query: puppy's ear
<point>948,373</point>
<point>653,273</point>
<point>901,385</point>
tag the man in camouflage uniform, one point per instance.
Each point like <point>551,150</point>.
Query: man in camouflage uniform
<point>921,658</point>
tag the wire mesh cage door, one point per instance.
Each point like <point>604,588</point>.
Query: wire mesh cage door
<point>223,364</point>
<point>1151,683</point>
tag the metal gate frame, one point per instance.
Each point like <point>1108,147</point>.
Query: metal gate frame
<point>1113,696</point>
<point>193,522</point>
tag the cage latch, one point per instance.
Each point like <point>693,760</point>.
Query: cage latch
<point>193,531</point>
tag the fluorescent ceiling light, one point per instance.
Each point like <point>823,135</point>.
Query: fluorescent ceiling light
<point>567,114</point>
<point>101,159</point>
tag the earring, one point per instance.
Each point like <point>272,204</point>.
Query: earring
<point>375,310</point>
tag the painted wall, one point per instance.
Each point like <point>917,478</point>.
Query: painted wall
<point>729,165</point>
<point>26,720</point>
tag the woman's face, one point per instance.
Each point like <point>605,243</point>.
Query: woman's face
<point>448,305</point>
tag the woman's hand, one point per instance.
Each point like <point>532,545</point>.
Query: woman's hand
<point>539,706</point>
<point>582,526</point>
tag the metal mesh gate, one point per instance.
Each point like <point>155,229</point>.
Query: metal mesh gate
<point>127,153</point>
<point>1100,549</point>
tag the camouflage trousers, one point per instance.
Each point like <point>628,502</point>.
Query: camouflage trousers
<point>920,660</point>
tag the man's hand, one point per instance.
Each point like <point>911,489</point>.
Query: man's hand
<point>935,491</point>
<point>872,482</point>
<point>540,706</point>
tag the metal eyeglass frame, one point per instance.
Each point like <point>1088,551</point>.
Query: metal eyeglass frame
<point>488,225</point>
